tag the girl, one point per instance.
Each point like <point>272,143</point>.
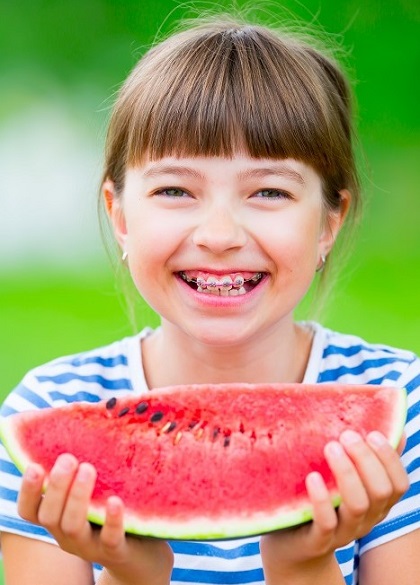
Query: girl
<point>229,174</point>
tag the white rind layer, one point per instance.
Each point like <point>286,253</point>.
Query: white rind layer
<point>400,416</point>
<point>8,438</point>
<point>204,528</point>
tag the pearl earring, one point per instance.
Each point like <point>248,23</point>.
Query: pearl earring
<point>321,263</point>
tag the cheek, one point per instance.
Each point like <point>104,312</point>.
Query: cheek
<point>151,242</point>
<point>294,239</point>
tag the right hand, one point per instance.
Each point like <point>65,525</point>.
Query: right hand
<point>62,510</point>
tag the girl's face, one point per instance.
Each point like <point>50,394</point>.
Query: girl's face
<point>223,249</point>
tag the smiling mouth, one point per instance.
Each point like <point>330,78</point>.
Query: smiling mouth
<point>228,285</point>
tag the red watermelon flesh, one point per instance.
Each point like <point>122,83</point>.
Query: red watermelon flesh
<point>207,461</point>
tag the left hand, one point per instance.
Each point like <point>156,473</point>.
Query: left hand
<point>62,508</point>
<point>370,479</point>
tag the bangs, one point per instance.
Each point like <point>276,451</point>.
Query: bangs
<point>222,88</point>
<point>234,90</point>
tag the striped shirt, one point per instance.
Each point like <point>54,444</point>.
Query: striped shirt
<point>104,372</point>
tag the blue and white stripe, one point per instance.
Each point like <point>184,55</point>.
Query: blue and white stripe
<point>102,373</point>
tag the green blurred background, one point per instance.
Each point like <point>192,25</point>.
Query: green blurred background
<point>60,64</point>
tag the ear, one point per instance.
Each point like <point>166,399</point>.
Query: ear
<point>115,211</point>
<point>333,223</point>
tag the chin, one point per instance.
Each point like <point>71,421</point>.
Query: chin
<point>221,336</point>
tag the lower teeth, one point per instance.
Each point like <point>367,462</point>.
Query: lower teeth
<point>234,292</point>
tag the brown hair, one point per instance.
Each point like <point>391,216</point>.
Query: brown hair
<point>224,85</point>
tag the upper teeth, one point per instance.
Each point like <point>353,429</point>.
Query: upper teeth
<point>239,281</point>
<point>211,282</point>
<point>225,282</point>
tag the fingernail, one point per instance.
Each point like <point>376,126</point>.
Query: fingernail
<point>376,439</point>
<point>84,473</point>
<point>334,449</point>
<point>64,463</point>
<point>113,505</point>
<point>32,473</point>
<point>350,437</point>
<point>316,480</point>
<point>316,484</point>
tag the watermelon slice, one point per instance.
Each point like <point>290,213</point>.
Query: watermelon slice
<point>207,461</point>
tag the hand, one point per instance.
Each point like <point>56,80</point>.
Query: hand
<point>370,479</point>
<point>62,510</point>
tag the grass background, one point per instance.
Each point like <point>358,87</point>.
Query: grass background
<point>76,54</point>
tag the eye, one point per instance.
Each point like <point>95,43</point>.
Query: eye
<point>272,194</point>
<point>174,192</point>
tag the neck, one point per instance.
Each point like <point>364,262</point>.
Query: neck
<point>281,356</point>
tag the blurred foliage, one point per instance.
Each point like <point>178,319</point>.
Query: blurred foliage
<point>81,51</point>
<point>94,44</point>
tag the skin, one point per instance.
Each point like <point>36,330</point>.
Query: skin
<point>214,214</point>
<point>220,222</point>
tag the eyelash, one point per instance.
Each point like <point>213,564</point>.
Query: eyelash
<point>278,193</point>
<point>165,192</point>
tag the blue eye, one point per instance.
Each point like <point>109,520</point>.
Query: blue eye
<point>172,192</point>
<point>272,194</point>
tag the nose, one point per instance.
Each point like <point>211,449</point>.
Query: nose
<point>219,230</point>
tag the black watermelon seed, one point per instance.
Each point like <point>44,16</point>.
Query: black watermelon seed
<point>111,403</point>
<point>123,411</point>
<point>216,431</point>
<point>156,417</point>
<point>171,427</point>
<point>141,407</point>
<point>226,442</point>
<point>193,424</point>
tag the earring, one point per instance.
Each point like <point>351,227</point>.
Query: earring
<point>124,256</point>
<point>321,263</point>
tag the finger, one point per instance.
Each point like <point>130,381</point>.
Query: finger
<point>401,445</point>
<point>324,514</point>
<point>355,501</point>
<point>112,532</point>
<point>74,518</point>
<point>372,471</point>
<point>391,461</point>
<point>59,482</point>
<point>30,494</point>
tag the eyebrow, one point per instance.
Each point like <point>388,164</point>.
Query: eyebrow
<point>282,170</point>
<point>178,170</point>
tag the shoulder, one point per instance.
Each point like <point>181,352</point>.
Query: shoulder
<point>353,360</point>
<point>89,376</point>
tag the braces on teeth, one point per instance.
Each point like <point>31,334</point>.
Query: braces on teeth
<point>224,287</point>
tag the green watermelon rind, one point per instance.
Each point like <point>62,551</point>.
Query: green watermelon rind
<point>205,528</point>
<point>401,408</point>
<point>11,444</point>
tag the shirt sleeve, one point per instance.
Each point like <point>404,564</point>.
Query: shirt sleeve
<point>26,396</point>
<point>404,517</point>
